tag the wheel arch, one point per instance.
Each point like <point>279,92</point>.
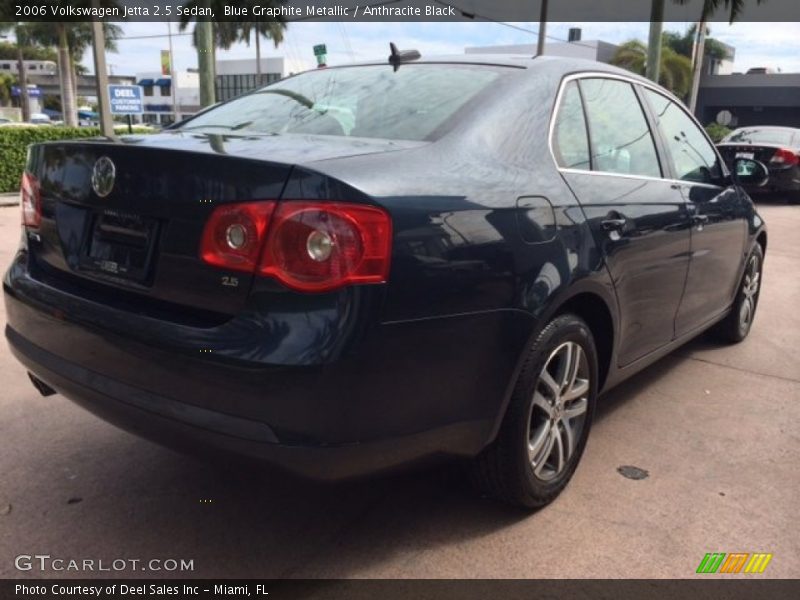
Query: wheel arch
<point>761,240</point>
<point>594,310</point>
<point>592,302</point>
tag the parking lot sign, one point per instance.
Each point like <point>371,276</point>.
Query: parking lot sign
<point>125,99</point>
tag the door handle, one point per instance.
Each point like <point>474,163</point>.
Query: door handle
<point>613,224</point>
<point>699,219</point>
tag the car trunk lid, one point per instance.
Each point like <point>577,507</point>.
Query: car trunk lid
<point>141,239</point>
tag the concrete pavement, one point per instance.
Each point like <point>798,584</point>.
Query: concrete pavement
<point>714,426</point>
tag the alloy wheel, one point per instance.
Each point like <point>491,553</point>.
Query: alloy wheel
<point>558,411</point>
<point>752,279</point>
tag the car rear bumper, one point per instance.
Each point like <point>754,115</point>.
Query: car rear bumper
<point>192,429</point>
<point>780,180</point>
<point>413,391</point>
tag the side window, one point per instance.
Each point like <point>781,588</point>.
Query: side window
<point>621,139</point>
<point>693,157</point>
<point>570,141</point>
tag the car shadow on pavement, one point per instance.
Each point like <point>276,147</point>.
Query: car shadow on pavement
<point>234,520</point>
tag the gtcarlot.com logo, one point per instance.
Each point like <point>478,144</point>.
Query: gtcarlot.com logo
<point>736,562</point>
<point>46,562</point>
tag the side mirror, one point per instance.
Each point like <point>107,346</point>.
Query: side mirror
<point>750,172</point>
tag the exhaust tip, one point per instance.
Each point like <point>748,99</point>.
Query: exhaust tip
<point>44,389</point>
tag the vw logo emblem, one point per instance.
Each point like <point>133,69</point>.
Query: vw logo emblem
<point>103,176</point>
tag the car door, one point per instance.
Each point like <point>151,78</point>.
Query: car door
<point>607,153</point>
<point>717,209</point>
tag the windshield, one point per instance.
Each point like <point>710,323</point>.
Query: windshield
<point>370,102</point>
<point>777,137</point>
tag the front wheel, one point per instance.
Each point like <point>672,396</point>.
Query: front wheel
<point>735,327</point>
<point>547,423</point>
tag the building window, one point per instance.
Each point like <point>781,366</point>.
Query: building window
<point>148,90</point>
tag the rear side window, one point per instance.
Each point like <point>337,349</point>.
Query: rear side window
<point>777,137</point>
<point>570,139</point>
<point>370,102</point>
<point>621,138</point>
<point>692,155</point>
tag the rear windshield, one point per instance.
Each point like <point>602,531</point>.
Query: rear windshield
<point>777,137</point>
<point>370,102</point>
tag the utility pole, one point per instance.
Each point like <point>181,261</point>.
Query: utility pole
<point>101,76</point>
<point>173,79</point>
<point>697,69</point>
<point>205,61</point>
<point>653,67</point>
<point>542,29</point>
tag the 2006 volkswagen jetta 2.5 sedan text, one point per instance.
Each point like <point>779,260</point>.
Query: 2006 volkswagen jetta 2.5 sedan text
<point>362,267</point>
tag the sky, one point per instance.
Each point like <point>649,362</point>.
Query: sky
<point>775,45</point>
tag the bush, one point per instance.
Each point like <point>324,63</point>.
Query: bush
<point>14,142</point>
<point>716,131</point>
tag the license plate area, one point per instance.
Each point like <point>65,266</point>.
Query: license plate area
<point>746,155</point>
<point>120,245</point>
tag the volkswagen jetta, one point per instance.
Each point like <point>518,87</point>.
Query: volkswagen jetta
<point>362,267</point>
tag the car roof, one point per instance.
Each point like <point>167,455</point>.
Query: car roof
<point>770,127</point>
<point>520,61</point>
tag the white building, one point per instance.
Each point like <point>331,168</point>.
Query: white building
<point>32,67</point>
<point>275,65</point>
<point>587,49</point>
<point>158,96</point>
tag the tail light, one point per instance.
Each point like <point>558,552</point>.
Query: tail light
<point>31,201</point>
<point>784,156</point>
<point>307,246</point>
<point>234,235</point>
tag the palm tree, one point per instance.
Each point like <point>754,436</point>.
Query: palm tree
<point>683,43</point>
<point>709,8</point>
<point>21,32</point>
<point>675,72</point>
<point>269,29</point>
<point>71,40</point>
<point>227,33</point>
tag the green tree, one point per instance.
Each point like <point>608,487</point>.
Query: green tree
<point>684,44</point>
<point>71,40</point>
<point>734,8</point>
<point>272,30</point>
<point>675,71</point>
<point>22,35</point>
<point>7,80</point>
<point>8,51</point>
<point>227,33</point>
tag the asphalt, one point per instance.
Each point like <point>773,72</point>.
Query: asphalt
<point>714,427</point>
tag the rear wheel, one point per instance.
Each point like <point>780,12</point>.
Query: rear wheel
<point>547,423</point>
<point>735,327</point>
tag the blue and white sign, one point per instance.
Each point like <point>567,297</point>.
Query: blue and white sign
<point>32,92</point>
<point>125,99</point>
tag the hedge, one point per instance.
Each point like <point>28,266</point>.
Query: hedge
<point>716,131</point>
<point>14,142</point>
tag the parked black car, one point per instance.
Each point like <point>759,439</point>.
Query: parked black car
<point>362,267</point>
<point>777,147</point>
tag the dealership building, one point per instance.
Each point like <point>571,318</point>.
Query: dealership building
<point>751,99</point>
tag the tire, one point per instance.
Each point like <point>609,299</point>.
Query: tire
<point>517,467</point>
<point>735,327</point>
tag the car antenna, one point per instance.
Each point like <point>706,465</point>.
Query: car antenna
<point>398,57</point>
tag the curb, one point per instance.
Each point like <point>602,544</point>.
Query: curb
<point>11,199</point>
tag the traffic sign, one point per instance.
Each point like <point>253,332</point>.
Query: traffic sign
<point>320,50</point>
<point>125,99</point>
